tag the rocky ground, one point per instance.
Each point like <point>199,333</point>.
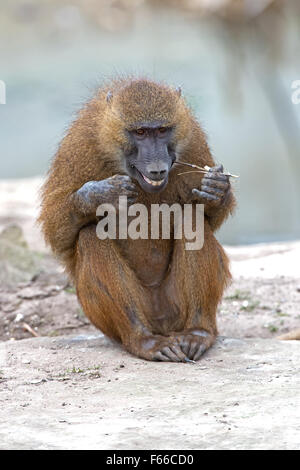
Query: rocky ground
<point>58,387</point>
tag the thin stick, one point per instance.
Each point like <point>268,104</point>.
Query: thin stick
<point>28,328</point>
<point>189,164</point>
<point>186,172</point>
<point>202,170</point>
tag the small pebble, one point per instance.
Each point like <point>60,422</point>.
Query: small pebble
<point>25,361</point>
<point>37,381</point>
<point>19,317</point>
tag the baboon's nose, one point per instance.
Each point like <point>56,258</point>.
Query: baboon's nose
<point>157,171</point>
<point>158,175</point>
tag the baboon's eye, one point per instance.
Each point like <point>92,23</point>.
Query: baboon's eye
<point>140,132</point>
<point>162,130</point>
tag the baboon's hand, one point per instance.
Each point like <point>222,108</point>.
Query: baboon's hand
<point>118,185</point>
<point>107,191</point>
<point>215,186</point>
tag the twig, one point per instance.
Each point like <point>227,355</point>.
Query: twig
<point>187,172</point>
<point>28,328</point>
<point>201,169</point>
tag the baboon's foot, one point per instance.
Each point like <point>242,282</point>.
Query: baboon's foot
<point>194,342</point>
<point>158,348</point>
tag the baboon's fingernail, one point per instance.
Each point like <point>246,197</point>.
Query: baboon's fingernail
<point>186,359</point>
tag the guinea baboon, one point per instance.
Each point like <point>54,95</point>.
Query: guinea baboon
<point>153,295</point>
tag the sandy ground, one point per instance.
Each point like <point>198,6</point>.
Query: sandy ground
<point>86,393</point>
<point>65,386</point>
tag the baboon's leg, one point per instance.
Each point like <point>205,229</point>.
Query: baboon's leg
<point>115,301</point>
<point>198,279</point>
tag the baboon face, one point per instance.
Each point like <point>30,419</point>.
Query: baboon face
<point>151,155</point>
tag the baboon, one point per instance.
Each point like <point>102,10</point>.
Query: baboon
<point>152,295</point>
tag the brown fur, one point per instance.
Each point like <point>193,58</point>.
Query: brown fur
<point>148,294</point>
<point>291,335</point>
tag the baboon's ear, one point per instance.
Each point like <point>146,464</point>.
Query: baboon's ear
<point>109,97</point>
<point>178,90</point>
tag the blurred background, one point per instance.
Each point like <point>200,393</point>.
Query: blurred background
<point>235,60</point>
